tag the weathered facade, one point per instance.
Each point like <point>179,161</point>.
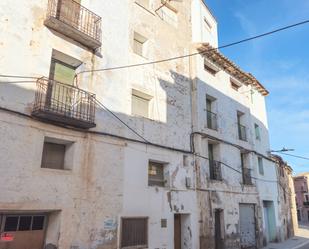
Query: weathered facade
<point>287,204</point>
<point>98,155</point>
<point>302,197</point>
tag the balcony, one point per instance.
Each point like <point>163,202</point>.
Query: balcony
<point>61,103</point>
<point>74,21</point>
<point>306,203</point>
<point>215,170</point>
<point>242,132</point>
<point>246,176</point>
<point>212,120</point>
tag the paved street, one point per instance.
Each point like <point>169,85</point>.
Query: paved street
<point>300,241</point>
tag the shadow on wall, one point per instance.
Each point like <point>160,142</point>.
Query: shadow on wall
<point>175,132</point>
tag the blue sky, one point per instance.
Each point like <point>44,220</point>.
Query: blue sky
<point>280,62</point>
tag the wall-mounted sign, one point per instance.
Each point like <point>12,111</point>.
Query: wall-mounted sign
<point>6,237</point>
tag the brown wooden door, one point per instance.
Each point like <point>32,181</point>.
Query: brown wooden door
<point>218,231</point>
<point>68,11</point>
<point>177,231</point>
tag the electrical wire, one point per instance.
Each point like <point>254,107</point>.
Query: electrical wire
<point>197,53</point>
<point>301,157</point>
<point>18,76</point>
<point>119,119</point>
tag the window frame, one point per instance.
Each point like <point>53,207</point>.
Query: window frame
<point>257,132</point>
<point>18,216</point>
<point>146,233</point>
<point>157,183</point>
<point>143,97</point>
<point>260,165</point>
<point>142,41</point>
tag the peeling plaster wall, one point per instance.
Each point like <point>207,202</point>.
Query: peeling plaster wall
<point>79,200</point>
<point>158,203</point>
<point>228,193</point>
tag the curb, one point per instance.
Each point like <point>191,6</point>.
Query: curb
<point>299,246</point>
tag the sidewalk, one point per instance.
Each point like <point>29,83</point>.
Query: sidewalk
<point>300,241</point>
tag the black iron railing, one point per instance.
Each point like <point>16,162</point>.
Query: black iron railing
<point>242,132</point>
<point>64,103</point>
<point>246,176</point>
<point>212,122</point>
<point>306,203</point>
<point>76,16</point>
<point>215,170</point>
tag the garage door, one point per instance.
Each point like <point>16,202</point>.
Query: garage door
<point>247,226</point>
<point>22,231</point>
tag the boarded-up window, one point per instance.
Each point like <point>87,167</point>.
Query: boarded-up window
<point>134,232</point>
<point>156,174</point>
<point>139,43</point>
<point>140,104</point>
<point>53,156</point>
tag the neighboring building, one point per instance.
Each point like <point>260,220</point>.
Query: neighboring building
<point>287,204</point>
<point>302,196</point>
<point>170,155</point>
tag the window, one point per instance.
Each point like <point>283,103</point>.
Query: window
<point>23,223</point>
<point>210,68</point>
<point>140,104</point>
<point>207,24</point>
<point>242,130</point>
<point>56,154</point>
<point>62,67</point>
<point>139,43</point>
<point>214,166</point>
<point>156,174</point>
<point>261,167</point>
<point>235,84</point>
<point>53,156</point>
<point>163,223</point>
<point>257,132</point>
<point>168,14</point>
<point>134,232</point>
<point>211,116</point>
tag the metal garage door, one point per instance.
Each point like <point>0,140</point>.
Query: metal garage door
<point>25,231</point>
<point>247,226</point>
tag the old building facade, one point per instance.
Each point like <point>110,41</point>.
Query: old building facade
<point>302,197</point>
<point>99,155</point>
<point>287,204</point>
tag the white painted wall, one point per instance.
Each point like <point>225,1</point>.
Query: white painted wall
<point>201,31</point>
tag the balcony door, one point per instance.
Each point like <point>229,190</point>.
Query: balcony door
<point>68,11</point>
<point>60,95</point>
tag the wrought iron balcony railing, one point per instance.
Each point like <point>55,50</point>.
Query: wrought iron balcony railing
<point>215,170</point>
<point>65,104</point>
<point>246,176</point>
<point>71,19</point>
<point>212,122</point>
<point>242,132</point>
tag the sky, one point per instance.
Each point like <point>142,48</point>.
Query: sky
<point>279,61</point>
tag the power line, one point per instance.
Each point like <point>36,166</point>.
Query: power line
<point>119,119</point>
<point>197,53</point>
<point>18,76</point>
<point>287,154</point>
